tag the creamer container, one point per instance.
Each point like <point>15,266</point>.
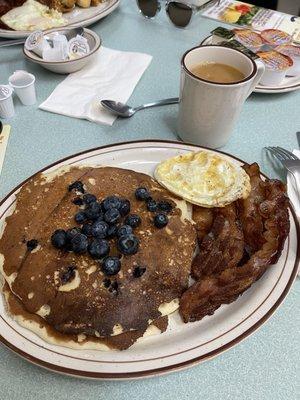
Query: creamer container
<point>277,66</point>
<point>249,39</point>
<point>275,37</point>
<point>294,53</point>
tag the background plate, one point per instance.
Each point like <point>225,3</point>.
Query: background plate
<point>77,17</point>
<point>183,344</point>
<point>289,84</point>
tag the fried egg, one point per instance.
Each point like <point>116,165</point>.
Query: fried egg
<point>33,16</point>
<point>204,178</point>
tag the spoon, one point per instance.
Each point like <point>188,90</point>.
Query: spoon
<point>126,111</point>
<point>69,33</point>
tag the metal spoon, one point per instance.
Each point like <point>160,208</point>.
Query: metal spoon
<point>126,111</point>
<point>69,33</point>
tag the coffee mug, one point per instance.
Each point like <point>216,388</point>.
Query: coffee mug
<point>209,110</point>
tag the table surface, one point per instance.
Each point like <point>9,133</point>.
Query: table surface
<point>264,366</point>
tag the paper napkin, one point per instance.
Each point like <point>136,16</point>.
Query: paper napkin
<point>112,75</point>
<point>3,143</point>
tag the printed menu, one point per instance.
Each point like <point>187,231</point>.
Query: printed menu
<point>244,14</point>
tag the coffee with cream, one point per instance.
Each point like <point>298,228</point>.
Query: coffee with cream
<point>217,73</point>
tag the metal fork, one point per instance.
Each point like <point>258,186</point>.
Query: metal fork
<point>290,162</point>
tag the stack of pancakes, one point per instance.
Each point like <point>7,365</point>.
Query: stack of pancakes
<point>85,313</point>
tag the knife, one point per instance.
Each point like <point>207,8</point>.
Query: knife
<point>298,138</point>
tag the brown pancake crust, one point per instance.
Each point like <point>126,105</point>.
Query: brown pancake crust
<point>118,342</point>
<point>42,207</point>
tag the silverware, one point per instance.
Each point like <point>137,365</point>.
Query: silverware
<point>6,43</point>
<point>69,33</point>
<point>1,127</point>
<point>290,162</point>
<point>126,111</point>
<point>298,138</point>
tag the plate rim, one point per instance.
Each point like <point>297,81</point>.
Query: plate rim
<point>267,89</point>
<point>171,368</point>
<point>83,22</point>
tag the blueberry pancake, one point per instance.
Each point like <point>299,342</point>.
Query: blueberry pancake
<point>95,255</point>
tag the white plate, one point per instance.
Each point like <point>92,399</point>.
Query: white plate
<point>77,17</point>
<point>183,344</point>
<point>289,84</point>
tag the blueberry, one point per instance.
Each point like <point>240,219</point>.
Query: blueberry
<point>89,198</point>
<point>99,229</point>
<point>77,186</point>
<point>112,231</point>
<point>80,217</point>
<point>79,243</point>
<point>124,230</point>
<point>160,220</point>
<point>111,265</point>
<point>93,211</point>
<point>133,220</point>
<point>99,248</point>
<point>138,271</point>
<point>78,201</point>
<point>125,207</point>
<point>70,233</point>
<point>32,244</point>
<point>68,275</point>
<point>86,229</point>
<point>152,205</point>
<point>142,193</point>
<point>111,202</point>
<point>164,206</point>
<point>112,216</point>
<point>128,244</point>
<point>59,238</point>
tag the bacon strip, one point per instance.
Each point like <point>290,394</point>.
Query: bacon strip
<point>222,247</point>
<point>208,294</point>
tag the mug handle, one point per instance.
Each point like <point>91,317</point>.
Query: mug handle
<point>260,71</point>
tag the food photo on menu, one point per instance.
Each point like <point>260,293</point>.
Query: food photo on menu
<point>150,198</point>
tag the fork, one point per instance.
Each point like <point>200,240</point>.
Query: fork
<point>290,162</point>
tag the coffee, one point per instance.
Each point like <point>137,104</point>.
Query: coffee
<point>218,73</point>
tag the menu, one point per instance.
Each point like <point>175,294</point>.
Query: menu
<point>3,143</point>
<point>257,18</point>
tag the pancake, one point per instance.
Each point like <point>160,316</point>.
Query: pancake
<point>85,306</point>
<point>40,327</point>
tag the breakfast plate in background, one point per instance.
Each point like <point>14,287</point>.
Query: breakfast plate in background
<point>289,84</point>
<point>78,17</point>
<point>182,345</point>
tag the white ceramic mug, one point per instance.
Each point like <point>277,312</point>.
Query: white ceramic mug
<point>208,110</point>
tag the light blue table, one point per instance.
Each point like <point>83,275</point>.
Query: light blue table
<point>266,365</point>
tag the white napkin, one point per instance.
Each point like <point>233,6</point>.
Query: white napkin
<point>112,75</point>
<point>292,193</point>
